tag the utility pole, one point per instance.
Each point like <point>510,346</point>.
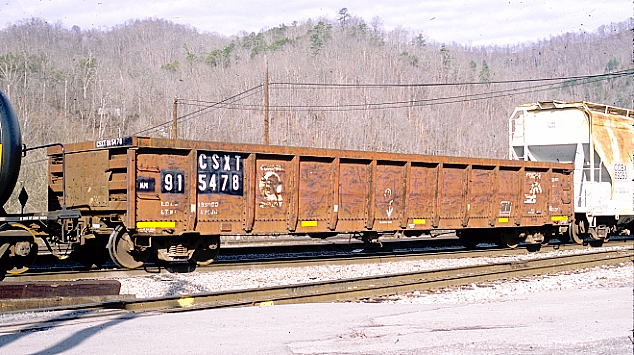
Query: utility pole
<point>266,102</point>
<point>175,119</point>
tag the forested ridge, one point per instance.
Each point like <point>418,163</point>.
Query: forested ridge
<point>73,84</point>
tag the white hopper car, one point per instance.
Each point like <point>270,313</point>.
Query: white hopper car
<point>598,139</point>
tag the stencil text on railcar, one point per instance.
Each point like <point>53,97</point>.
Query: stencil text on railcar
<point>220,173</point>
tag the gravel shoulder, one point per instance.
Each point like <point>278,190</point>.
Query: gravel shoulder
<point>155,285</point>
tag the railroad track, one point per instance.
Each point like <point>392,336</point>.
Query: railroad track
<point>327,291</point>
<point>374,286</point>
<point>52,266</point>
<point>268,263</point>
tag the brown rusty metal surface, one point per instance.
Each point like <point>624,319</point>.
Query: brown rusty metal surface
<point>612,138</point>
<point>12,305</point>
<point>87,179</point>
<point>95,180</point>
<point>166,172</point>
<point>174,187</point>
<point>48,289</point>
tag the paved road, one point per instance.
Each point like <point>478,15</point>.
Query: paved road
<point>597,321</point>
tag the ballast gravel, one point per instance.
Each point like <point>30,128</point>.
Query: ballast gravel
<point>176,284</point>
<point>592,278</point>
<point>584,312</point>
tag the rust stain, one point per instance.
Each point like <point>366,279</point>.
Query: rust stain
<point>222,188</point>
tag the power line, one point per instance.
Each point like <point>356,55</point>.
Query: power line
<point>397,85</point>
<point>209,104</point>
<point>430,101</point>
<point>230,102</point>
<point>452,99</point>
<point>191,114</point>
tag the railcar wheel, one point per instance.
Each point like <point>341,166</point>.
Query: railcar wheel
<point>509,239</point>
<point>575,232</point>
<point>17,255</point>
<point>19,268</point>
<point>121,249</point>
<point>207,252</point>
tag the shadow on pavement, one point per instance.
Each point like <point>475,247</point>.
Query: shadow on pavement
<point>67,343</point>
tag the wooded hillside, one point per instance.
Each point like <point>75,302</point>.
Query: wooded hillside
<point>73,85</point>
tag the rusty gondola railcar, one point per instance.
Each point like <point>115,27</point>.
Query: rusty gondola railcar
<point>173,200</point>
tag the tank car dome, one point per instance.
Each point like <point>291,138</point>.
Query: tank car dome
<point>10,149</point>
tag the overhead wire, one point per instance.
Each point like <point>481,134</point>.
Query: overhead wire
<point>189,115</point>
<point>431,101</point>
<point>235,97</point>
<point>389,85</point>
<point>231,102</point>
<point>440,100</point>
<point>209,104</point>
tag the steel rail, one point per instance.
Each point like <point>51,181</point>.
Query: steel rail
<point>329,291</point>
<point>363,287</point>
<point>374,286</point>
<point>346,259</point>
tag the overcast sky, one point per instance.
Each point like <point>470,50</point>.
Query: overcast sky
<point>476,22</point>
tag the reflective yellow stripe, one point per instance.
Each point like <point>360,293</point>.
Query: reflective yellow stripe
<point>559,218</point>
<point>503,220</point>
<point>165,224</point>
<point>0,155</point>
<point>419,221</point>
<point>309,224</point>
